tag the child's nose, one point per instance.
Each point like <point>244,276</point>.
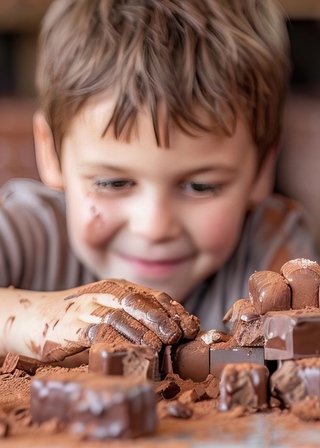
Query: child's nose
<point>156,219</point>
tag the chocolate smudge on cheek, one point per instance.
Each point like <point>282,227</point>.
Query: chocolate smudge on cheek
<point>9,324</point>
<point>25,302</point>
<point>96,233</point>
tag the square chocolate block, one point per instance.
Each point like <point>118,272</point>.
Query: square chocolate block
<point>295,380</point>
<point>244,385</point>
<point>236,355</point>
<point>133,360</point>
<point>95,406</point>
<point>292,335</point>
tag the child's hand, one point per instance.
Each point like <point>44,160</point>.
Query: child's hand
<point>63,323</point>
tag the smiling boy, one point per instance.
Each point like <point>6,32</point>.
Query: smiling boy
<point>158,124</point>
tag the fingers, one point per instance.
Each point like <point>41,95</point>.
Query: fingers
<point>143,307</point>
<point>154,310</point>
<point>189,324</point>
<point>105,333</point>
<point>132,329</point>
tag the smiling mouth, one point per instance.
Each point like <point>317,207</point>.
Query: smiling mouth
<point>154,266</point>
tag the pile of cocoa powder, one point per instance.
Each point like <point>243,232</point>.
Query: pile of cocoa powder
<point>188,415</point>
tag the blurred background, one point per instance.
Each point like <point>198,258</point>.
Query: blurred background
<point>299,161</point>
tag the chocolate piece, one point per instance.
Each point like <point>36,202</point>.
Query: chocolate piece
<point>248,332</point>
<point>191,360</point>
<point>95,406</point>
<point>168,389</point>
<point>303,277</point>
<point>215,336</point>
<point>139,360</point>
<point>296,380</point>
<point>243,385</point>
<point>106,360</point>
<point>269,291</point>
<point>293,335</point>
<point>238,309</point>
<point>236,355</point>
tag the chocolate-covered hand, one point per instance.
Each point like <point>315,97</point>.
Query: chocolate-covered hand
<point>140,314</point>
<point>51,326</point>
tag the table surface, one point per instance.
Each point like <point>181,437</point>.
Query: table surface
<point>212,429</point>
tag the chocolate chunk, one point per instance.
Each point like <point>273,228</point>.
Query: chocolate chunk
<point>269,291</point>
<point>293,335</point>
<point>214,336</point>
<point>236,355</point>
<point>296,380</point>
<point>243,385</point>
<point>95,406</point>
<point>168,389</point>
<point>238,309</point>
<point>303,277</point>
<point>10,363</point>
<point>201,394</point>
<point>135,360</point>
<point>191,360</point>
<point>248,332</point>
<point>106,360</point>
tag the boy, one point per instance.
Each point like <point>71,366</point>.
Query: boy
<point>159,123</point>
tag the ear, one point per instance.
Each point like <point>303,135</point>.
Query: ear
<point>264,183</point>
<point>46,156</point>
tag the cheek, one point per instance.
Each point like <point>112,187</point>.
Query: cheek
<point>94,223</point>
<point>96,230</point>
<point>219,231</point>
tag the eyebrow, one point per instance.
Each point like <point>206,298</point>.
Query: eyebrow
<point>200,170</point>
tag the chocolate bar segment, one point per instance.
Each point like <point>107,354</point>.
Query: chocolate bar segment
<point>303,277</point>
<point>295,380</point>
<point>135,360</point>
<point>95,406</point>
<point>269,291</point>
<point>243,385</point>
<point>219,358</point>
<point>293,335</point>
<point>191,360</point>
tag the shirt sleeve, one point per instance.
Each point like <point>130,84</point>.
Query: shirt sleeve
<point>34,249</point>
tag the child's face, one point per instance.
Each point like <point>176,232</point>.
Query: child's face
<point>164,218</point>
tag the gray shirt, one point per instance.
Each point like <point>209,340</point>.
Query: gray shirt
<point>35,252</point>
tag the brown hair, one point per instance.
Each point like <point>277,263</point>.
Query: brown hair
<point>221,55</point>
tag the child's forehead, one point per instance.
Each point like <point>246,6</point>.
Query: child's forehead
<point>98,110</point>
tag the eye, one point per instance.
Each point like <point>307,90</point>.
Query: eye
<point>113,184</point>
<point>201,189</point>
